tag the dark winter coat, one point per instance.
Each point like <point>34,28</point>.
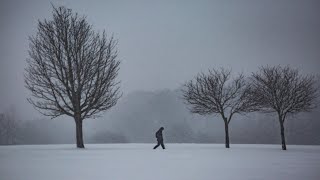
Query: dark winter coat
<point>159,134</point>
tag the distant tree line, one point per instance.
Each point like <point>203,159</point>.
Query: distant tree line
<point>143,108</point>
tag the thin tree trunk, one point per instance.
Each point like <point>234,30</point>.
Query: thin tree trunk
<point>79,134</point>
<point>283,140</point>
<point>226,129</point>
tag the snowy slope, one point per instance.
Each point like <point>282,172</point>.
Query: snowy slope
<point>140,162</point>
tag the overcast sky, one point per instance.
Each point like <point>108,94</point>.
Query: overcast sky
<point>164,43</point>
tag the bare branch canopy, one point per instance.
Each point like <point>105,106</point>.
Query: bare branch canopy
<point>218,93</point>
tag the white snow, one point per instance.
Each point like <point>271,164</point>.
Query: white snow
<point>141,162</point>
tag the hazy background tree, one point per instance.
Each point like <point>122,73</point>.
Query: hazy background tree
<point>218,93</point>
<point>283,90</point>
<point>72,70</point>
<point>108,137</point>
<point>8,128</point>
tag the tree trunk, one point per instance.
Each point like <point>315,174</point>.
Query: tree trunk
<point>283,140</point>
<point>226,129</point>
<point>79,134</point>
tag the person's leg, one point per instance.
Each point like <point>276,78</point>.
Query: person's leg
<point>162,145</point>
<point>157,145</point>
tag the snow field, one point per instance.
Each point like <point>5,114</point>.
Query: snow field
<point>177,162</point>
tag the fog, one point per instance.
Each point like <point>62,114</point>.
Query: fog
<point>162,44</point>
<point>139,114</point>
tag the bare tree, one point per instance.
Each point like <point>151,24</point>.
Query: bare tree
<point>283,90</point>
<point>218,93</point>
<point>72,70</point>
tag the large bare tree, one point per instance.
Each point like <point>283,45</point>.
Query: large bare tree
<point>72,70</point>
<point>283,90</point>
<point>218,93</point>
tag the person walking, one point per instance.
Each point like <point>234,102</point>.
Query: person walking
<point>159,138</point>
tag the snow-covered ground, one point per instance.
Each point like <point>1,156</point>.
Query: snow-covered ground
<point>141,162</point>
